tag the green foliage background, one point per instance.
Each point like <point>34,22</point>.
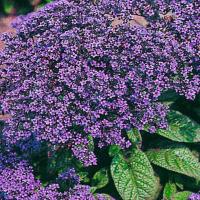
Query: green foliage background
<point>18,7</point>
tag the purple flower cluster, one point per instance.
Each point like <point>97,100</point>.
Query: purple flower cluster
<point>29,146</point>
<point>194,196</point>
<point>17,182</point>
<point>80,192</point>
<point>76,69</point>
<point>70,175</point>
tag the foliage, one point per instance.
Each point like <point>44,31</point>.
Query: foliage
<point>181,128</point>
<point>100,179</point>
<point>176,158</point>
<point>181,195</point>
<point>103,99</point>
<point>13,7</point>
<point>133,177</point>
<point>169,190</point>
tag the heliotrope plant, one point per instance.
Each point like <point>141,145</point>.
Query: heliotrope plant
<point>78,76</point>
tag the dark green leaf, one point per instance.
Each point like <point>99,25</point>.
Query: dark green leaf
<point>179,181</point>
<point>134,177</point>
<point>113,150</point>
<point>176,158</point>
<point>135,137</point>
<point>181,128</point>
<point>100,179</point>
<point>104,196</point>
<point>187,182</point>
<point>91,143</point>
<point>8,6</point>
<point>168,97</point>
<point>181,195</point>
<point>84,177</point>
<point>169,190</point>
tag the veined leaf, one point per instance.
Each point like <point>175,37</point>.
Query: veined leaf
<point>181,195</point>
<point>84,177</point>
<point>181,128</point>
<point>103,196</point>
<point>178,180</point>
<point>168,97</point>
<point>135,137</point>
<point>91,143</point>
<point>114,150</point>
<point>100,179</point>
<point>169,190</point>
<point>176,158</point>
<point>187,182</point>
<point>159,188</point>
<point>134,177</point>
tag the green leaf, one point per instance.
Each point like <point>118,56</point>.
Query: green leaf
<point>159,188</point>
<point>93,189</point>
<point>169,190</point>
<point>178,181</point>
<point>59,161</point>
<point>181,195</point>
<point>103,196</point>
<point>186,182</point>
<point>176,158</point>
<point>8,6</point>
<point>113,150</point>
<point>84,177</point>
<point>135,137</point>
<point>100,179</point>
<point>168,97</point>
<point>91,143</point>
<point>133,177</point>
<point>181,128</point>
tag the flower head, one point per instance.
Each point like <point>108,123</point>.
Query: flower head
<point>71,72</point>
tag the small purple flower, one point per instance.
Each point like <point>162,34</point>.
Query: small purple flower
<point>29,146</point>
<point>69,175</point>
<point>194,196</point>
